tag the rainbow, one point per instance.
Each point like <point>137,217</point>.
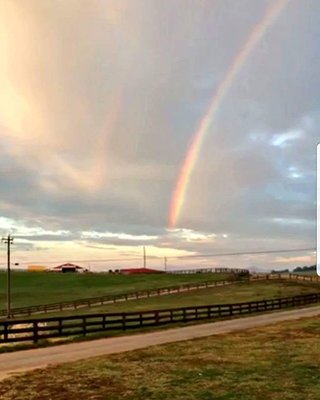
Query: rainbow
<point>197,140</point>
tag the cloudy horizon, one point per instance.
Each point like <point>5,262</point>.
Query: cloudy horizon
<point>99,103</point>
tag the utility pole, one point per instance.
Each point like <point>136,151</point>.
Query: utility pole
<point>165,264</point>
<point>8,241</point>
<point>144,257</point>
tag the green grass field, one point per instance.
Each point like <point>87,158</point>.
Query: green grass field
<point>240,292</point>
<point>30,288</point>
<point>277,362</point>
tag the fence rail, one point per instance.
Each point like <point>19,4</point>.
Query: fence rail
<point>209,270</point>
<point>54,327</point>
<point>292,277</point>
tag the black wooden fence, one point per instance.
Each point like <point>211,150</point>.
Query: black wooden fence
<point>46,328</point>
<point>101,300</point>
<point>291,277</point>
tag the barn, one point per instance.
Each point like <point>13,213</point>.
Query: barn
<point>69,267</point>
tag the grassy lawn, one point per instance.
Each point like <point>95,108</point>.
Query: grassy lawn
<point>30,288</point>
<point>277,362</point>
<point>240,292</point>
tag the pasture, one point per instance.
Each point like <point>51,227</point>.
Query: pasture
<point>276,362</point>
<point>31,288</point>
<point>235,293</point>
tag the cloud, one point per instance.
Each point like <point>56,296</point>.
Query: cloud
<point>284,139</point>
<point>99,101</point>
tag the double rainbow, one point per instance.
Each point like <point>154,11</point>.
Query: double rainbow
<point>178,198</point>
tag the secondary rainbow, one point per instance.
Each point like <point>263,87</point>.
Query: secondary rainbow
<point>193,152</point>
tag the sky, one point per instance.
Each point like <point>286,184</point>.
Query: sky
<point>99,103</point>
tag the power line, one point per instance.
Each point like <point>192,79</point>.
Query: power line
<point>245,253</point>
<point>84,260</point>
<point>118,260</point>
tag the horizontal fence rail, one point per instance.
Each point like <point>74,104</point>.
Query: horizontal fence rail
<point>54,327</point>
<point>292,277</point>
<point>109,299</point>
<point>209,270</point>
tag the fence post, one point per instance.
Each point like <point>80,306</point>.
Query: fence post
<point>5,333</point>
<point>84,326</point>
<point>60,326</point>
<point>184,315</point>
<point>124,326</point>
<point>35,332</point>
<point>231,309</point>
<point>141,319</point>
